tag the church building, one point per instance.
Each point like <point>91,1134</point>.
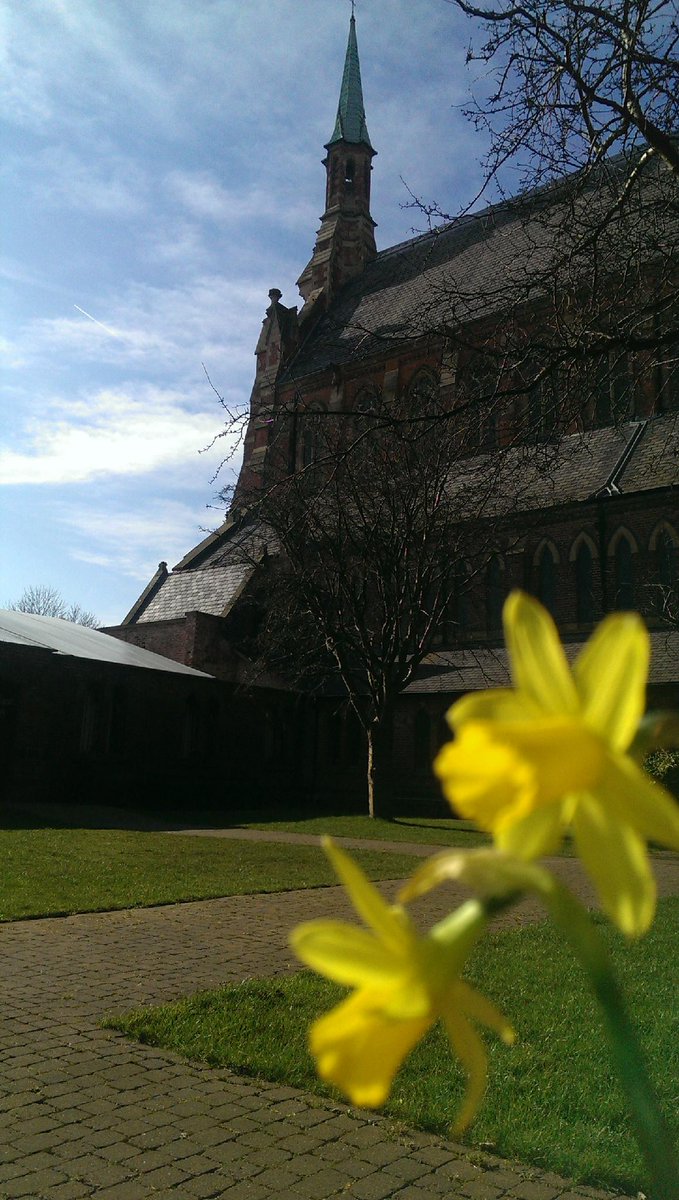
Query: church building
<point>585,512</point>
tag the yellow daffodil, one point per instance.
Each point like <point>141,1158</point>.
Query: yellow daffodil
<point>404,982</point>
<point>550,755</point>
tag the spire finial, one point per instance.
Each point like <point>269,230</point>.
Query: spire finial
<point>350,125</point>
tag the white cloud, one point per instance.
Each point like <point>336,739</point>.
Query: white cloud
<point>108,434</point>
<point>212,319</point>
<point>103,182</point>
<point>204,196</point>
<point>132,541</point>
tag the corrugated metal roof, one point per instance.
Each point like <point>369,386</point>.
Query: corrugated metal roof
<point>76,641</point>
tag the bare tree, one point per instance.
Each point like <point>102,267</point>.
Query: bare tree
<point>578,103</point>
<point>48,601</point>
<point>375,552</point>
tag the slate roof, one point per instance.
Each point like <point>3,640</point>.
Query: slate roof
<point>76,641</point>
<point>210,578</point>
<point>451,671</point>
<point>480,264</point>
<point>209,590</point>
<point>631,458</point>
<point>655,461</point>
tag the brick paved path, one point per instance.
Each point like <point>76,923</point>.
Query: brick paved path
<point>84,1113</point>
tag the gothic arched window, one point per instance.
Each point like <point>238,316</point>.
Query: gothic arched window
<point>584,584</point>
<point>460,606</point>
<point>366,399</point>
<point>546,576</point>
<point>494,594</point>
<point>623,574</point>
<point>666,559</point>
<point>424,389</point>
<point>308,447</point>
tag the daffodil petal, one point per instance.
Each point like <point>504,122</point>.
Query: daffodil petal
<point>538,663</point>
<point>483,1010</point>
<point>632,797</point>
<point>610,674</point>
<point>359,1050</point>
<point>345,953</point>
<point>532,836</point>
<point>616,860</point>
<point>389,923</point>
<point>496,704</point>
<point>470,1050</point>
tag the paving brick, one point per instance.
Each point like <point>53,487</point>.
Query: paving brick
<point>125,1119</point>
<point>35,1183</point>
<point>70,1190</point>
<point>376,1187</point>
<point>481,1189</point>
<point>204,1186</point>
<point>248,1190</point>
<point>412,1192</point>
<point>539,1190</point>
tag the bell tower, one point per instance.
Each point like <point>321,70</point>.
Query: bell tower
<point>345,242</point>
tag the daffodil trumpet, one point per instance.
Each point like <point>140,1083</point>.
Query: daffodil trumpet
<point>403,983</point>
<point>553,754</point>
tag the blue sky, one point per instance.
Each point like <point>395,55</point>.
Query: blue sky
<point>161,171</point>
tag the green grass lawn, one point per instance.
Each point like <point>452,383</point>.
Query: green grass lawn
<point>552,1100</point>
<point>49,872</point>
<point>425,831</point>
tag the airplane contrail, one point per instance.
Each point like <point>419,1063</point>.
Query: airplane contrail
<point>112,332</point>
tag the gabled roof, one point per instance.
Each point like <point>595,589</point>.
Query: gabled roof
<point>211,577</point>
<point>76,641</point>
<point>350,125</point>
<point>210,590</point>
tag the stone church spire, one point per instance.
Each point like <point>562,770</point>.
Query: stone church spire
<point>345,242</point>
<point>350,124</point>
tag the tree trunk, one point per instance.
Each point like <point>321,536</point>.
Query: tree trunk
<point>380,777</point>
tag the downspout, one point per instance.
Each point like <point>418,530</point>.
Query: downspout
<point>609,489</point>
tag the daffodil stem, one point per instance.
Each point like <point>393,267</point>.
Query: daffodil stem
<point>650,1128</point>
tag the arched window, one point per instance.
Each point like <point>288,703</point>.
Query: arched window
<point>366,400</point>
<point>422,738</point>
<point>667,374</point>
<point>308,447</point>
<point>666,560</point>
<point>545,567</point>
<point>494,595</point>
<point>541,399</point>
<point>349,173</point>
<point>584,584</point>
<point>623,574</point>
<point>479,385</point>
<point>460,606</point>
<point>424,389</point>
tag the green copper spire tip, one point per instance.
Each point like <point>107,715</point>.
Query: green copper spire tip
<point>350,125</point>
